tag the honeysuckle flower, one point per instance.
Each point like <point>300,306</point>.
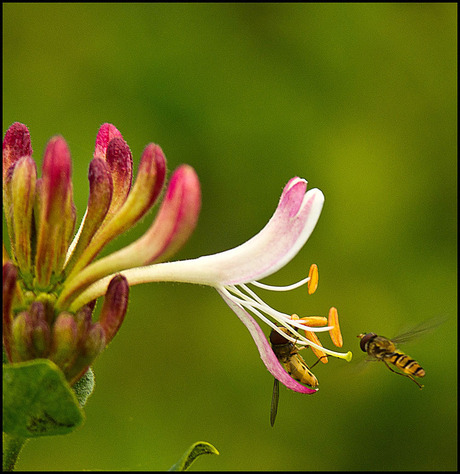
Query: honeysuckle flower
<point>46,269</point>
<point>51,281</point>
<point>231,272</point>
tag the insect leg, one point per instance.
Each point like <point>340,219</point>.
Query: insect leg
<point>404,375</point>
<point>311,367</point>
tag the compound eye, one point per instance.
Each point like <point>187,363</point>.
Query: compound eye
<point>365,338</point>
<point>276,339</point>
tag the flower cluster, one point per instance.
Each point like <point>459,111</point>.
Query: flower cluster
<point>47,269</point>
<point>52,281</point>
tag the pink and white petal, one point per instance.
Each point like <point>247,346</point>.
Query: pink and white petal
<point>274,246</point>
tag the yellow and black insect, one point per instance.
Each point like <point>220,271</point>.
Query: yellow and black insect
<point>384,349</point>
<point>289,357</point>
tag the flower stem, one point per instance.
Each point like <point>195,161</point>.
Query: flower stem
<point>12,446</point>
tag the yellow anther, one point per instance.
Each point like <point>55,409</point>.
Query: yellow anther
<point>294,316</point>
<point>311,336</point>
<point>333,320</point>
<point>313,281</point>
<point>314,321</point>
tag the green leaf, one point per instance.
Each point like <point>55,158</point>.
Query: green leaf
<point>197,449</point>
<point>84,387</point>
<point>38,401</point>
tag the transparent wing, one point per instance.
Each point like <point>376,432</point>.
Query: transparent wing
<point>359,365</point>
<point>275,400</point>
<point>422,328</point>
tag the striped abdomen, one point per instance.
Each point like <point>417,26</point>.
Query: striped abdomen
<point>405,363</point>
<point>288,355</point>
<point>298,369</point>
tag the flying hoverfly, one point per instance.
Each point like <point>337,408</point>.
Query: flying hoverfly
<point>289,357</point>
<point>381,348</point>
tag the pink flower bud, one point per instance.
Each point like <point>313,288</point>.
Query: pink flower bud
<point>64,340</point>
<point>22,337</point>
<point>115,305</point>
<point>41,334</point>
<point>55,212</point>
<point>9,285</point>
<point>120,164</point>
<point>16,144</point>
<point>23,198</point>
<point>89,348</point>
<point>104,136</point>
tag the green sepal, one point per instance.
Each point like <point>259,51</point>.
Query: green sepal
<point>197,449</point>
<point>38,401</point>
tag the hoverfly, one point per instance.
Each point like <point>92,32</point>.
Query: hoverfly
<point>289,357</point>
<point>381,348</point>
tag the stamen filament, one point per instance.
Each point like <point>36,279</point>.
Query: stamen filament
<point>303,341</point>
<point>248,305</point>
<point>254,301</point>
<point>293,286</point>
<point>257,306</point>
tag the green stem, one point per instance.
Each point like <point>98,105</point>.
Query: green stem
<point>12,446</point>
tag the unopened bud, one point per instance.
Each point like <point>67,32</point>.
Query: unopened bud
<point>9,285</point>
<point>64,340</point>
<point>22,337</point>
<point>94,342</point>
<point>54,213</point>
<point>16,144</point>
<point>41,335</point>
<point>84,322</point>
<point>91,347</point>
<point>115,305</point>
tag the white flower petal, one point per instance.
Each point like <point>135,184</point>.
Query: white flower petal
<point>275,245</point>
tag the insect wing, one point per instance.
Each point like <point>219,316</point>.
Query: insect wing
<point>275,400</point>
<point>422,328</point>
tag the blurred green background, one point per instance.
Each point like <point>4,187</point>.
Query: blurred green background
<point>359,99</point>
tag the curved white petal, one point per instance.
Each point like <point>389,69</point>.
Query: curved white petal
<point>276,244</point>
<point>273,247</point>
